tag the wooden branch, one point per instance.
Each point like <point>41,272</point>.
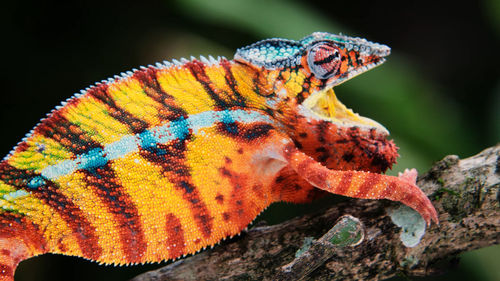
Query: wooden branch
<point>465,193</point>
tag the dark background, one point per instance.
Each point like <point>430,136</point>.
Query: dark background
<point>438,94</point>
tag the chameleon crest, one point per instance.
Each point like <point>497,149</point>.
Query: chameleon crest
<point>166,160</point>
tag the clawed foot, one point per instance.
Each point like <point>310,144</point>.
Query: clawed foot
<point>418,200</point>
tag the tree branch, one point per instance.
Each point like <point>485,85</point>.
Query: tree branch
<point>465,193</point>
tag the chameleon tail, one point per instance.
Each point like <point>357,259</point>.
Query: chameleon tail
<point>12,251</point>
<point>20,237</point>
<point>364,185</point>
<point>18,241</point>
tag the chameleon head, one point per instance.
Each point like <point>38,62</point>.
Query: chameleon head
<point>305,72</point>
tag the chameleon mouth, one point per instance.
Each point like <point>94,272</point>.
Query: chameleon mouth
<point>325,105</point>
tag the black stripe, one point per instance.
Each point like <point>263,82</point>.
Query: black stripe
<point>231,82</point>
<point>123,209</point>
<point>328,59</point>
<point>170,110</point>
<point>70,135</point>
<point>134,124</point>
<point>198,70</point>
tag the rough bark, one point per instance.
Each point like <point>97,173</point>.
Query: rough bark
<point>465,193</point>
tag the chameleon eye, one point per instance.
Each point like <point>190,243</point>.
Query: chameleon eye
<point>324,60</point>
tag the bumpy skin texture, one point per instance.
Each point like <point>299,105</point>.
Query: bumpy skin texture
<point>166,160</point>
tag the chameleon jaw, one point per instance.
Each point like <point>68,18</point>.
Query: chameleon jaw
<point>325,105</point>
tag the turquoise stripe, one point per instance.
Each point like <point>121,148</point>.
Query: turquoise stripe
<point>174,130</point>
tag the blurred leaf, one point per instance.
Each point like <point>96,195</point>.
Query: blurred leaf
<point>176,45</point>
<point>484,262</point>
<point>288,19</point>
<point>492,11</point>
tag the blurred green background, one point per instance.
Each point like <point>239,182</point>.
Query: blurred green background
<point>438,94</point>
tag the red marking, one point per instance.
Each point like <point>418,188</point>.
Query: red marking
<point>58,128</point>
<point>5,252</point>
<point>344,183</point>
<point>353,58</point>
<point>290,187</point>
<point>175,236</point>
<point>370,181</point>
<point>225,172</point>
<point>105,184</point>
<point>61,246</point>
<point>23,146</point>
<point>242,207</point>
<point>231,82</point>
<point>219,198</point>
<point>258,190</point>
<point>237,180</point>
<point>389,190</point>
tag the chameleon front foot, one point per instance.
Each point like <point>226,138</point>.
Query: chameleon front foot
<point>359,184</point>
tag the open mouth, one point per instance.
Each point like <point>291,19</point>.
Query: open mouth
<point>326,106</point>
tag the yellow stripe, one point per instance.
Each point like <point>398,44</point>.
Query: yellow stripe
<point>7,202</point>
<point>186,90</point>
<point>243,77</point>
<point>41,152</point>
<point>129,95</point>
<point>357,180</point>
<point>206,176</point>
<point>377,189</point>
<point>155,197</point>
<point>74,187</point>
<point>216,74</point>
<point>5,188</point>
<point>92,116</point>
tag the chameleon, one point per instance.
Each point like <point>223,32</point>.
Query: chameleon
<point>166,160</point>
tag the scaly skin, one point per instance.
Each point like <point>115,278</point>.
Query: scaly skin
<point>167,160</point>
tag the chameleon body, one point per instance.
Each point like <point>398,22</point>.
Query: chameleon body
<point>169,159</point>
